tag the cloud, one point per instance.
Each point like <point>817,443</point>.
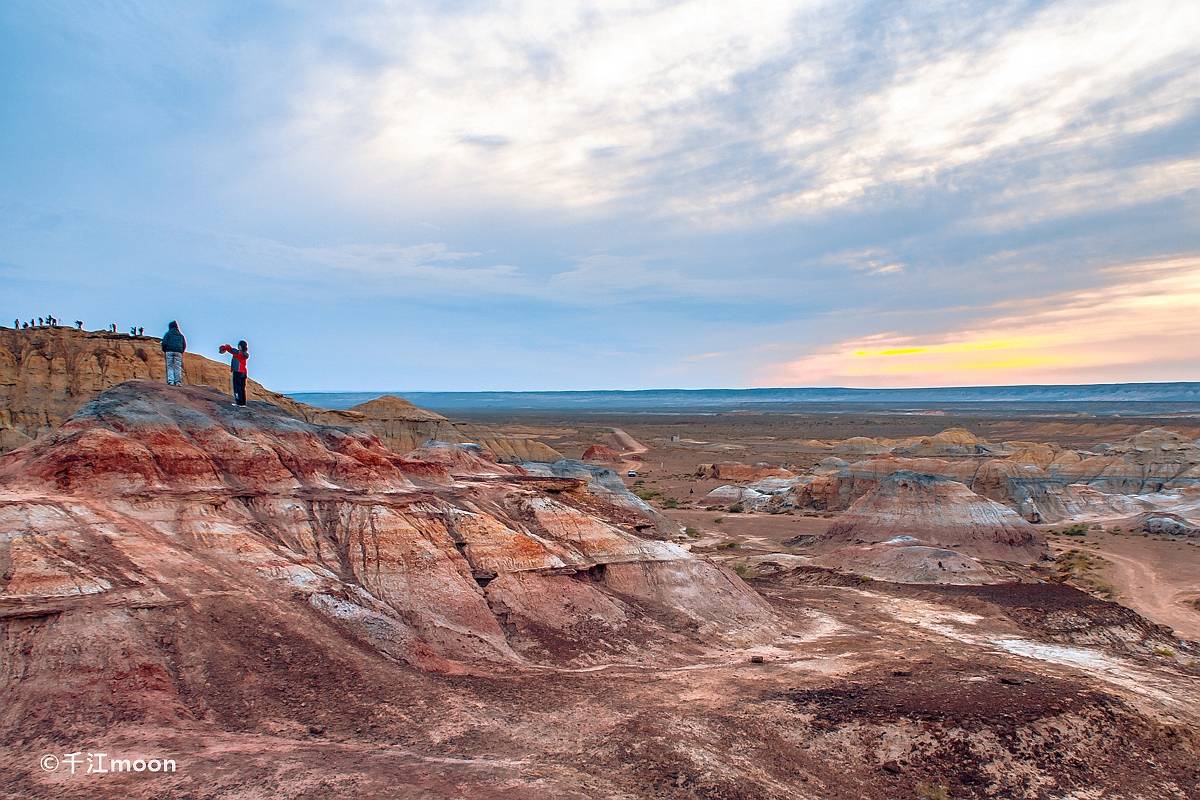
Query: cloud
<point>869,260</point>
<point>1139,325</point>
<point>485,140</point>
<point>709,187</point>
<point>1097,190</point>
<point>699,112</point>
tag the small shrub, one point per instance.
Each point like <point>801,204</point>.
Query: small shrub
<point>670,502</point>
<point>727,546</point>
<point>1165,652</point>
<point>1075,530</point>
<point>735,508</point>
<point>691,532</point>
<point>930,791</point>
<point>719,520</point>
<point>743,571</point>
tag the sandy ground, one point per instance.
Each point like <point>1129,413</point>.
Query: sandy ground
<point>755,533</point>
<point>872,691</point>
<point>1157,576</point>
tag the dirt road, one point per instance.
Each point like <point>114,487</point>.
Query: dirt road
<point>1158,579</point>
<point>629,447</point>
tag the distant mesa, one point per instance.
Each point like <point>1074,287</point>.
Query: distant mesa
<point>950,442</point>
<point>860,445</point>
<point>391,407</point>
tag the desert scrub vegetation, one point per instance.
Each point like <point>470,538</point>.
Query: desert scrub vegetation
<point>1075,530</point>
<point>932,791</point>
<point>670,502</point>
<point>691,532</point>
<point>1082,570</point>
<point>735,508</point>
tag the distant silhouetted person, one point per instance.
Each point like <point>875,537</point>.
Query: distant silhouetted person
<point>141,331</point>
<point>79,324</point>
<point>39,321</point>
<point>237,366</point>
<point>16,324</point>
<point>24,326</point>
<point>173,346</point>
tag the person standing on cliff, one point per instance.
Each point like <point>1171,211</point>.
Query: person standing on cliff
<point>173,346</point>
<point>237,366</point>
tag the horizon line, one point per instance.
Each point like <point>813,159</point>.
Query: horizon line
<point>751,388</point>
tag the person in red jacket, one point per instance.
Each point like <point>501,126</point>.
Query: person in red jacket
<point>237,365</point>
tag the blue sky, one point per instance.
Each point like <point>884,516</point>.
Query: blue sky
<point>567,195</point>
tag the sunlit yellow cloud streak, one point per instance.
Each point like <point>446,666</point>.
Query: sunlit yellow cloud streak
<point>1142,325</point>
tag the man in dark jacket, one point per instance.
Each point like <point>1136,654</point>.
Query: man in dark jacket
<point>173,346</point>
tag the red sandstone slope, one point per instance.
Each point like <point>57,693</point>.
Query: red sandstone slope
<point>134,534</point>
<point>601,453</point>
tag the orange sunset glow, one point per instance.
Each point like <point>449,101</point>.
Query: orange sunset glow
<point>1142,324</point>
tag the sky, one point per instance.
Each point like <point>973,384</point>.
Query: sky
<point>455,195</point>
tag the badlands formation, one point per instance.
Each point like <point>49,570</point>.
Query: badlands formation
<point>293,603</point>
<point>1156,469</point>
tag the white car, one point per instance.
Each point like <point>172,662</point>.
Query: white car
<point>632,473</point>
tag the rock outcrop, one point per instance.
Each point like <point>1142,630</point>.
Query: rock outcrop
<point>607,486</point>
<point>602,454</point>
<point>942,513</point>
<point>46,374</point>
<point>950,442</point>
<point>904,559</point>
<point>403,426</point>
<point>1164,523</point>
<point>153,505</point>
<point>737,471</point>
